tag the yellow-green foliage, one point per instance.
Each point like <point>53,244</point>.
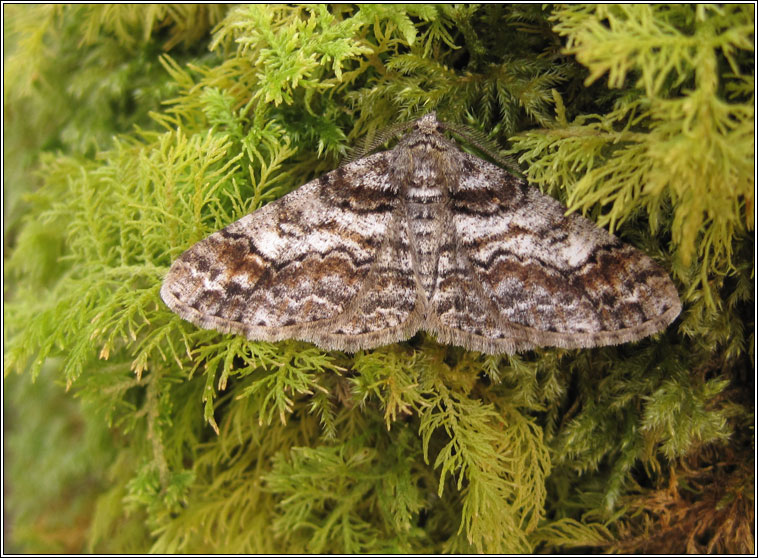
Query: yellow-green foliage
<point>137,131</point>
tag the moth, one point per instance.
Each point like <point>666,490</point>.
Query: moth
<point>423,236</point>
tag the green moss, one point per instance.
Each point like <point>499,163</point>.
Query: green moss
<point>136,131</point>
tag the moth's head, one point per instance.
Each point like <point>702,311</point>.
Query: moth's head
<point>428,124</point>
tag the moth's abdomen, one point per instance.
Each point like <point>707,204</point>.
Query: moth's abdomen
<point>425,207</point>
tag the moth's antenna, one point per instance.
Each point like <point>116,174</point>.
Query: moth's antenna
<point>484,144</point>
<point>374,139</point>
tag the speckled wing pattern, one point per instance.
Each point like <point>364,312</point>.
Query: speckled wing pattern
<point>423,236</point>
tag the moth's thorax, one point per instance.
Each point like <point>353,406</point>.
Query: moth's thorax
<point>425,161</point>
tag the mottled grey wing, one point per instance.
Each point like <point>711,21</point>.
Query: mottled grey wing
<point>328,263</point>
<point>518,273</point>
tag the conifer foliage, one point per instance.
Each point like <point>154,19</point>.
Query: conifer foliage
<point>134,131</point>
